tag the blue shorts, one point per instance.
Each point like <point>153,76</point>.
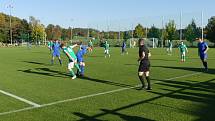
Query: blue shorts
<point>203,56</point>
<point>79,59</point>
<point>54,54</point>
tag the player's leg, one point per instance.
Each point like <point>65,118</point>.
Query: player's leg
<point>59,59</point>
<point>141,75</point>
<point>77,67</point>
<point>108,53</point>
<point>105,53</point>
<point>70,67</point>
<point>148,80</point>
<point>82,65</point>
<point>183,56</point>
<point>204,61</point>
<point>52,60</point>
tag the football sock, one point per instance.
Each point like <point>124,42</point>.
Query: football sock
<point>205,65</point>
<point>72,73</point>
<point>82,69</point>
<point>60,61</point>
<point>148,81</point>
<point>142,81</point>
<point>77,66</point>
<point>52,62</point>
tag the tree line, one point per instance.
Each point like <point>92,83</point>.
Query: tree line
<point>35,31</point>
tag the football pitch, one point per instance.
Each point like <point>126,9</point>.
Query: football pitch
<point>33,90</point>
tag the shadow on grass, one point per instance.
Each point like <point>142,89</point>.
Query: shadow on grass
<point>53,73</point>
<point>37,63</point>
<point>107,82</point>
<point>210,71</point>
<point>45,72</point>
<point>204,112</point>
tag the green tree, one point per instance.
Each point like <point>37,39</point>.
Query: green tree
<point>170,31</point>
<point>57,32</point>
<point>192,32</point>
<point>210,29</point>
<point>154,32</point>
<point>139,31</point>
<point>49,31</point>
<point>37,30</point>
<point>3,31</point>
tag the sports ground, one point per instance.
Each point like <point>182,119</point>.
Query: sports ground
<point>33,90</point>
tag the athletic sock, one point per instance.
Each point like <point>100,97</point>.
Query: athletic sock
<point>148,81</point>
<point>72,73</point>
<point>60,61</point>
<point>205,65</point>
<point>77,66</point>
<point>142,81</point>
<point>52,62</point>
<point>82,70</point>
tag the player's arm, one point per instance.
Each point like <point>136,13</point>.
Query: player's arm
<point>142,57</point>
<point>73,46</point>
<point>207,48</point>
<point>186,49</point>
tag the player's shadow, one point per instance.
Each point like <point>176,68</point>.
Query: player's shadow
<point>178,91</point>
<point>37,63</point>
<point>106,82</point>
<point>162,60</point>
<point>45,72</point>
<point>124,117</point>
<point>210,71</point>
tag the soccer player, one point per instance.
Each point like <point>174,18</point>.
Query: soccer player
<point>144,66</point>
<point>107,47</point>
<point>183,49</point>
<point>90,45</point>
<point>50,44</point>
<point>56,52</point>
<point>124,47</point>
<point>72,58</point>
<point>169,49</point>
<point>80,59</point>
<point>202,51</point>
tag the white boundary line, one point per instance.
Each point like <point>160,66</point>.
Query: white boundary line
<point>20,98</point>
<point>88,96</point>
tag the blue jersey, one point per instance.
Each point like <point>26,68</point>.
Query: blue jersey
<point>202,47</point>
<point>81,53</point>
<point>123,45</point>
<point>56,48</point>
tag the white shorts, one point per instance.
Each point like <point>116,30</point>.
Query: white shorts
<point>183,53</point>
<point>71,65</point>
<point>106,51</point>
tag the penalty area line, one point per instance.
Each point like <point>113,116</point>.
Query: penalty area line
<point>88,96</point>
<point>20,98</point>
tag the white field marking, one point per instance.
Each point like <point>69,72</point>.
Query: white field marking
<point>88,96</point>
<point>20,98</point>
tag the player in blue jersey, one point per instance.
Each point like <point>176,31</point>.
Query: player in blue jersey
<point>202,51</point>
<point>80,59</point>
<point>124,47</point>
<point>56,52</point>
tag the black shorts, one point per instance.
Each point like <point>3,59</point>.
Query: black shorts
<point>144,66</point>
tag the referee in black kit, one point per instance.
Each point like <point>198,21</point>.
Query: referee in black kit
<point>144,66</point>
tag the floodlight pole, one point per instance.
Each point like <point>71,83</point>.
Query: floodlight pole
<point>71,30</point>
<point>146,32</point>
<point>181,26</point>
<point>162,32</point>
<point>11,34</point>
<point>88,32</point>
<point>202,26</point>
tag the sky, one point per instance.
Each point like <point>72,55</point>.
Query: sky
<point>111,14</point>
